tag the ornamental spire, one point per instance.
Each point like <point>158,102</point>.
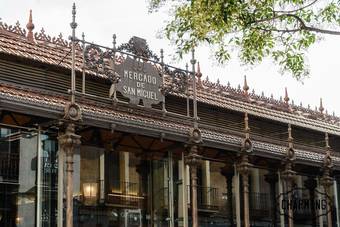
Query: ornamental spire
<point>286,99</point>
<point>245,86</point>
<point>30,27</point>
<point>321,108</point>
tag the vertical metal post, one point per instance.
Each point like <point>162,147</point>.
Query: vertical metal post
<point>73,73</point>
<point>162,65</point>
<point>69,141</point>
<point>194,211</point>
<point>245,183</point>
<point>320,197</point>
<point>237,197</point>
<point>193,62</point>
<point>187,91</point>
<point>83,68</point>
<point>39,194</point>
<point>102,177</point>
<point>327,179</point>
<point>60,185</point>
<point>336,202</point>
<point>69,188</point>
<point>184,192</point>
<point>282,217</point>
<point>114,66</point>
<point>171,187</point>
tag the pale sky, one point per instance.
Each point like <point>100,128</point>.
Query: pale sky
<point>126,18</point>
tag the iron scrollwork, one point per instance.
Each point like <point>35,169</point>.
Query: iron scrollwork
<point>101,61</point>
<point>177,81</point>
<point>139,47</point>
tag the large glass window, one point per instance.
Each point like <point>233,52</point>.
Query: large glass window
<point>126,188</point>
<point>21,170</point>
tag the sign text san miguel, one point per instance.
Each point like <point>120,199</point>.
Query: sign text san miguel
<point>138,68</point>
<point>139,80</point>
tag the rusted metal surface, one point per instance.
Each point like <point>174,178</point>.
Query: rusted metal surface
<point>69,141</point>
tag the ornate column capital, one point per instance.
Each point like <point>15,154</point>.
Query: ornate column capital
<point>193,158</point>
<point>69,140</point>
<point>244,166</point>
<point>195,139</point>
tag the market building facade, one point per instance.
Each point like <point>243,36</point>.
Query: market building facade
<point>113,136</point>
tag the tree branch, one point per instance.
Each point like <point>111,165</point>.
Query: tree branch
<point>279,30</point>
<point>299,9</point>
<point>302,24</point>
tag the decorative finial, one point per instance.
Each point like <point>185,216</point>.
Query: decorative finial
<point>300,104</point>
<point>308,106</point>
<point>30,27</point>
<point>321,109</point>
<point>271,96</point>
<point>114,37</point>
<point>245,86</point>
<point>83,39</point>
<point>162,56</point>
<point>333,114</point>
<point>293,103</point>
<point>199,74</point>
<point>207,78</point>
<point>262,94</point>
<point>73,23</point>
<point>186,67</point>
<point>218,81</point>
<point>193,60</point>
<point>286,99</point>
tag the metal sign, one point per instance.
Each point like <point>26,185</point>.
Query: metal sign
<point>134,71</point>
<point>139,80</point>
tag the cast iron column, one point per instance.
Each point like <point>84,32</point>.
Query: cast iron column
<point>272,179</point>
<point>311,184</point>
<point>69,142</point>
<point>288,174</point>
<point>193,160</point>
<point>244,167</point>
<point>327,180</point>
<point>195,138</point>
